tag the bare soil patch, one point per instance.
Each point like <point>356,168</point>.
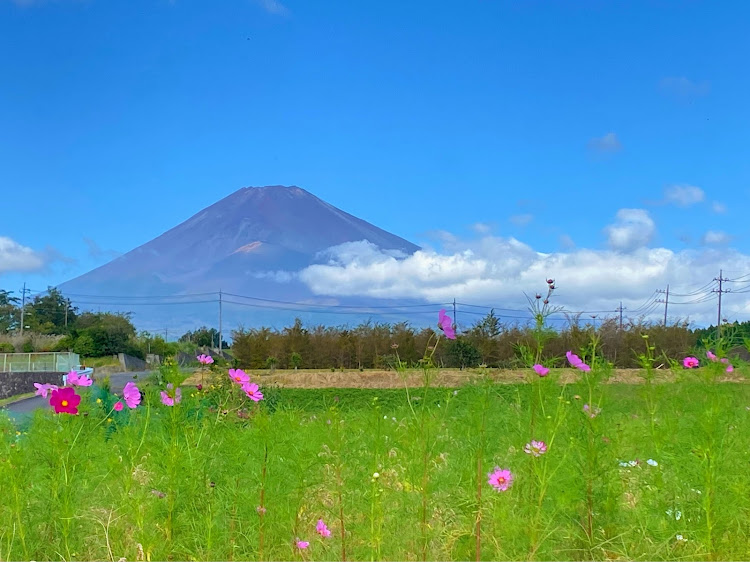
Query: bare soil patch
<point>313,378</point>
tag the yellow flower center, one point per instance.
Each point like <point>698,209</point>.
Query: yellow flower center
<point>64,403</point>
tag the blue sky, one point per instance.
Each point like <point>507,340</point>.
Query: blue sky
<point>529,120</point>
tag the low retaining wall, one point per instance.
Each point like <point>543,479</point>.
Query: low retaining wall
<point>130,363</point>
<point>13,384</point>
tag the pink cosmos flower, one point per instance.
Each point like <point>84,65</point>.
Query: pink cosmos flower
<point>729,368</point>
<point>118,406</point>
<point>541,370</point>
<point>239,376</point>
<point>536,448</point>
<point>445,324</point>
<point>302,545</point>
<point>132,395</point>
<point>205,359</point>
<point>577,362</point>
<point>166,397</point>
<point>43,389</point>
<point>65,400</point>
<point>74,379</point>
<point>690,362</point>
<point>322,529</point>
<point>251,389</point>
<point>500,479</point>
<point>710,355</point>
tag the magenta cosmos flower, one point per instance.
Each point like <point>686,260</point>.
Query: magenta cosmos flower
<point>690,362</point>
<point>205,359</point>
<point>710,355</point>
<point>239,376</point>
<point>536,448</point>
<point>541,370</point>
<point>302,545</point>
<point>65,400</point>
<point>577,362</point>
<point>170,400</point>
<point>445,324</point>
<point>251,389</point>
<point>132,395</point>
<point>43,389</point>
<point>322,529</point>
<point>500,479</point>
<point>74,379</point>
<point>118,406</point>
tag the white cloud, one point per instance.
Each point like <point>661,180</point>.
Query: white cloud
<point>17,258</point>
<point>274,7</point>
<point>683,195</point>
<point>607,143</point>
<point>497,271</point>
<point>632,229</point>
<point>684,87</point>
<point>716,237</point>
<point>481,227</point>
<point>522,220</point>
<point>718,208</point>
<point>278,276</point>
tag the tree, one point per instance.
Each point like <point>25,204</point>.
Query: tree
<point>484,336</point>
<point>109,333</point>
<point>10,312</point>
<point>204,337</point>
<point>463,353</point>
<point>295,360</point>
<point>51,313</point>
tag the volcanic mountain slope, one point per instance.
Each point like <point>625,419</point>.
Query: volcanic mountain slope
<point>237,245</point>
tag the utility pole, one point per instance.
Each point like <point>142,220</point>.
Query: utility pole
<point>665,300</point>
<point>220,332</point>
<point>166,331</point>
<point>455,324</point>
<point>23,306</point>
<point>620,309</point>
<point>720,290</point>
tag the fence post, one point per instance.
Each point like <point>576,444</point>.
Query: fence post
<point>29,361</point>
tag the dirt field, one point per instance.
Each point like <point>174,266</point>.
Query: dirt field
<point>445,377</point>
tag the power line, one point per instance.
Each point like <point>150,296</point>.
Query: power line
<point>348,306</point>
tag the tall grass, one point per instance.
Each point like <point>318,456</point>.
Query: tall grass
<point>218,478</point>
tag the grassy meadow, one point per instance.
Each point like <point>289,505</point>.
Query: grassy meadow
<point>655,471</point>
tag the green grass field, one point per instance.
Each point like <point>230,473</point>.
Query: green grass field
<point>393,479</point>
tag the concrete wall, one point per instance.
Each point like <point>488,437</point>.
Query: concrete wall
<point>130,363</point>
<point>12,384</point>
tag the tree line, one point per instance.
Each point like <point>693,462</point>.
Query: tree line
<point>488,342</point>
<point>368,345</point>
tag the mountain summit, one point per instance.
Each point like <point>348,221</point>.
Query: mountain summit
<point>239,244</point>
